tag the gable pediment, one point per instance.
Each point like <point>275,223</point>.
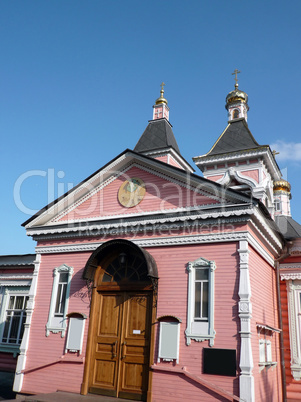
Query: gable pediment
<point>167,190</point>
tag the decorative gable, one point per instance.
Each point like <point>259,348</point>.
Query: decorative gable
<point>135,190</point>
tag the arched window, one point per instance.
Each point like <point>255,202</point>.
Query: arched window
<point>235,114</point>
<point>125,267</point>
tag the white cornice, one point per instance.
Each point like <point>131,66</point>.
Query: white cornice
<point>287,276</point>
<point>15,279</point>
<point>291,266</point>
<point>165,242</point>
<point>153,220</point>
<point>249,153</point>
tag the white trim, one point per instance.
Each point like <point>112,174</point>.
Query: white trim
<point>18,381</point>
<point>231,173</point>
<point>15,279</point>
<point>264,152</point>
<point>166,241</point>
<point>227,212</point>
<point>290,276</point>
<point>58,324</point>
<point>246,379</point>
<point>294,311</point>
<point>191,331</point>
<point>167,212</point>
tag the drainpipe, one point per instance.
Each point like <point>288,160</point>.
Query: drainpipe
<point>277,266</point>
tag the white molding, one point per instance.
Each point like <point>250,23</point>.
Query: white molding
<point>231,173</point>
<point>294,307</point>
<point>190,332</point>
<point>152,220</point>
<point>290,271</point>
<point>246,379</point>
<point>166,241</point>
<point>21,362</point>
<point>167,212</point>
<point>58,324</point>
<point>263,152</point>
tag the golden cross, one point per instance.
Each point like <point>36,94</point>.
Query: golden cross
<point>275,152</point>
<point>235,73</point>
<point>162,87</point>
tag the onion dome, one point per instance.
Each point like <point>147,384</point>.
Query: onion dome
<point>236,96</point>
<point>161,99</point>
<point>282,185</point>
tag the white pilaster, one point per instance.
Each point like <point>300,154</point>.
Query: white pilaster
<point>246,379</point>
<point>25,340</point>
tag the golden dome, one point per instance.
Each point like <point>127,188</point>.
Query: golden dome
<point>282,185</point>
<point>236,96</point>
<point>161,99</point>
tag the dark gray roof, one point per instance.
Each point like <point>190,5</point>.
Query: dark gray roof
<point>288,227</point>
<point>17,259</point>
<point>236,137</point>
<point>158,134</point>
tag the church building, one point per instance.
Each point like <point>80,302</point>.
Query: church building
<point>154,283</point>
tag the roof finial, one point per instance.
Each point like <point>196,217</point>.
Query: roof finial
<point>162,89</point>
<point>236,79</point>
<point>161,99</point>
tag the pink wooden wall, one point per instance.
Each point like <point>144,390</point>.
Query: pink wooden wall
<point>172,300</point>
<point>264,311</point>
<point>293,387</point>
<point>254,174</point>
<point>46,350</point>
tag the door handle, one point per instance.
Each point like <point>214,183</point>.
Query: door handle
<point>123,356</point>
<point>114,348</point>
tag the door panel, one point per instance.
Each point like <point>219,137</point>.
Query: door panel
<point>121,345</point>
<point>106,343</point>
<point>135,343</point>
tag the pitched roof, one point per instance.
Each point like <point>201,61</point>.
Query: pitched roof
<point>158,134</point>
<point>17,259</point>
<point>236,137</point>
<point>288,227</point>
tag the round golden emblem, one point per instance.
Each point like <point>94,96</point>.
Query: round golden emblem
<point>131,192</point>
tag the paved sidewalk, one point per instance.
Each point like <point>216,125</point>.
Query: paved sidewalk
<point>61,396</point>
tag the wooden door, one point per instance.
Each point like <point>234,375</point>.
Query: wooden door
<point>120,361</point>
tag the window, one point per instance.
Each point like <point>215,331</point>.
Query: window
<point>13,301</point>
<point>265,334</point>
<point>14,320</point>
<point>294,315</point>
<point>277,205</point>
<point>59,300</point>
<point>61,294</point>
<point>235,114</point>
<point>200,309</point>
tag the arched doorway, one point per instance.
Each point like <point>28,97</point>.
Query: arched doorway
<point>122,311</point>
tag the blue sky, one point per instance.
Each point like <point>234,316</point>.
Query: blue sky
<point>78,80</point>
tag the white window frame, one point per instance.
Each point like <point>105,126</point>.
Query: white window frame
<point>58,323</point>
<point>277,205</point>
<point>200,329</point>
<point>4,302</point>
<point>294,314</point>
